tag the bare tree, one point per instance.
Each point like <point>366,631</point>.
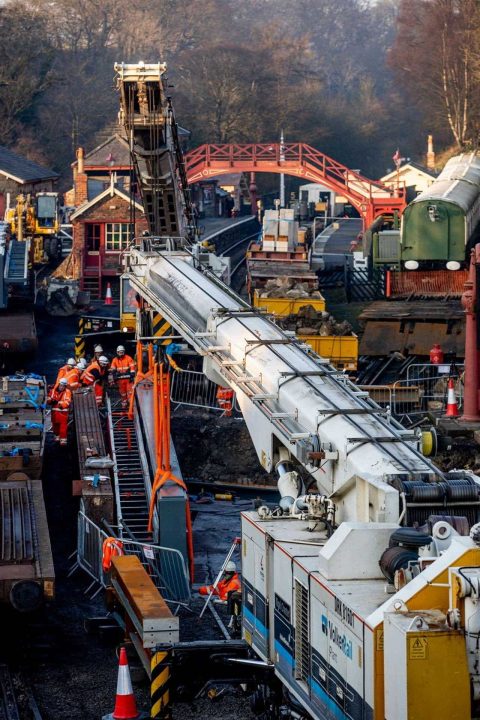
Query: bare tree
<point>436,59</point>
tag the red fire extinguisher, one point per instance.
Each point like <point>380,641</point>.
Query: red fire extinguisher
<point>436,355</point>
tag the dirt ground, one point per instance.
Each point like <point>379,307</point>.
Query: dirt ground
<point>216,449</point>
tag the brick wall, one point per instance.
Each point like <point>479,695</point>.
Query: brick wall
<point>81,188</point>
<point>112,209</point>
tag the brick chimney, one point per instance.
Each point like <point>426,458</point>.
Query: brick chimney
<point>430,153</point>
<point>80,180</point>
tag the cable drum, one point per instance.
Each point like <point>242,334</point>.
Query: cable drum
<point>462,491</point>
<point>396,558</point>
<point>428,492</point>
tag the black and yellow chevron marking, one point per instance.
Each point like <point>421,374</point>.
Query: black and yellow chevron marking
<point>160,685</point>
<point>79,347</point>
<point>161,328</point>
<point>79,341</point>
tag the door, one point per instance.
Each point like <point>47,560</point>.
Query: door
<point>93,238</point>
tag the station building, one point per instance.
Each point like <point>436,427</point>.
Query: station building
<point>106,216</point>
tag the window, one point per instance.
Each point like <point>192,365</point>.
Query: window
<point>117,236</point>
<point>92,237</point>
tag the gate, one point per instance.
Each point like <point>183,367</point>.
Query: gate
<point>360,284</point>
<point>423,392</point>
<point>365,284</point>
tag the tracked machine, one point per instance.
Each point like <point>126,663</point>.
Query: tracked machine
<point>361,586</point>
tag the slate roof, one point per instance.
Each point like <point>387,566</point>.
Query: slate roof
<point>109,192</point>
<point>22,170</point>
<point>115,148</point>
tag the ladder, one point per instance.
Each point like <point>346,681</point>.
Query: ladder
<point>132,500</point>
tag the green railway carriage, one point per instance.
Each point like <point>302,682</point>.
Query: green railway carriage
<point>440,226</point>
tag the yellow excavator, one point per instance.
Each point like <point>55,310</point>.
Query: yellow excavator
<point>37,219</point>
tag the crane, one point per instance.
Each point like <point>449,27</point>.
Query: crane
<point>305,418</point>
<point>361,588</point>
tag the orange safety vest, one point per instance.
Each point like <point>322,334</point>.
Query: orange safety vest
<point>60,400</point>
<point>224,587</point>
<point>72,376</point>
<point>93,374</point>
<point>123,365</point>
<point>111,547</point>
<point>225,399</point>
<point>62,372</point>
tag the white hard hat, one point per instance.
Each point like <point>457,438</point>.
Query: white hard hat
<point>63,381</point>
<point>71,362</point>
<point>82,363</point>
<point>98,348</point>
<point>230,566</point>
<point>103,360</point>
<point>120,349</point>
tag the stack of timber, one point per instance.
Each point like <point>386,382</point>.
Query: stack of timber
<point>26,566</point>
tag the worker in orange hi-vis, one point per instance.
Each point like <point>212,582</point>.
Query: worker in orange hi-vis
<point>122,370</point>
<point>81,367</point>
<point>60,398</point>
<point>72,376</point>
<point>64,369</point>
<point>230,582</point>
<point>94,376</point>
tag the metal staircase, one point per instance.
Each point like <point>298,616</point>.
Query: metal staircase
<point>91,284</point>
<point>132,500</point>
<point>16,266</point>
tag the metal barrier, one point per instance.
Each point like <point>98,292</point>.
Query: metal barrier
<point>166,566</point>
<point>194,389</point>
<point>90,539</point>
<point>434,283</point>
<point>423,392</point>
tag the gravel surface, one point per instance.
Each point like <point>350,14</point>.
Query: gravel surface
<point>73,674</point>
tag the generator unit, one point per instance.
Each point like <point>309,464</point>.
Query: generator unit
<point>351,636</point>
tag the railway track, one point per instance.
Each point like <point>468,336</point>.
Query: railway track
<point>16,698</point>
<point>238,260</point>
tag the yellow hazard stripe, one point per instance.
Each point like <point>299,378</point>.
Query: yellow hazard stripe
<point>159,688</point>
<point>160,680</point>
<point>160,706</point>
<point>161,328</point>
<point>158,658</point>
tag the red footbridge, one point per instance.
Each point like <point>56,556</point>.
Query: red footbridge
<point>370,197</point>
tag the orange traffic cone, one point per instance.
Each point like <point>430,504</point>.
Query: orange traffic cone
<point>452,406</point>
<point>108,296</point>
<point>125,705</point>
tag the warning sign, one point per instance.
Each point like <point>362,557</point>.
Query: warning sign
<point>418,648</point>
